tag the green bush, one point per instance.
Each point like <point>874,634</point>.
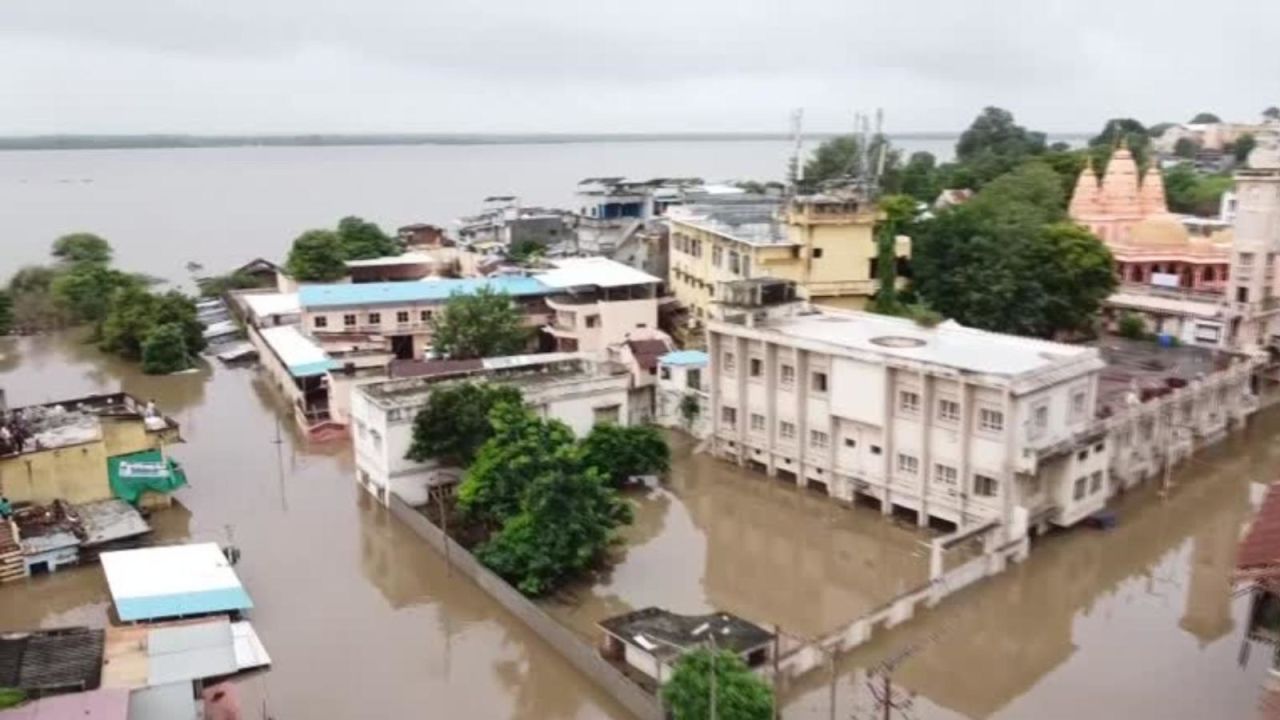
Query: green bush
<point>164,350</point>
<point>1132,326</point>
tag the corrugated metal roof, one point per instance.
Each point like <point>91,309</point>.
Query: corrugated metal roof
<point>1260,550</point>
<point>317,297</point>
<point>172,581</point>
<point>190,652</point>
<point>50,660</point>
<point>299,353</point>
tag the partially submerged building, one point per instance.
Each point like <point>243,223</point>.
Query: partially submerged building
<point>576,390</point>
<point>68,448</point>
<point>651,641</point>
<point>681,398</point>
<point>172,582</point>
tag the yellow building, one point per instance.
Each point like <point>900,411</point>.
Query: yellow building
<point>824,243</point>
<point>66,454</point>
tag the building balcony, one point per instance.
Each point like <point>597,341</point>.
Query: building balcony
<point>572,303</point>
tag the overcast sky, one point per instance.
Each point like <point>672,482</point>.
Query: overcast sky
<point>279,66</point>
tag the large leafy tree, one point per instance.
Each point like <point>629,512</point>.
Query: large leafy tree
<point>739,693</point>
<point>1116,131</point>
<point>1243,146</point>
<point>134,314</point>
<point>843,156</point>
<point>454,424</point>
<point>85,289</point>
<point>485,323</point>
<point>1186,147</point>
<point>164,350</point>
<point>556,515</point>
<point>6,312</point>
<point>621,453</point>
<point>361,239</point>
<point>1205,118</point>
<point>898,212</point>
<point>34,306</point>
<point>994,144</point>
<point>1007,260</point>
<point>317,256</point>
<point>1189,191</point>
<point>82,247</point>
<point>920,177</point>
<point>1271,113</point>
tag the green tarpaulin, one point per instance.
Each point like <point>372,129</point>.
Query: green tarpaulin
<point>132,475</point>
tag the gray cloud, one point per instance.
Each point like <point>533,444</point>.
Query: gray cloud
<point>661,65</point>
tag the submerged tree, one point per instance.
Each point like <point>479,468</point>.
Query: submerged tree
<point>455,423</point>
<point>6,313</point>
<point>739,693</point>
<point>480,324</point>
<point>82,247</point>
<point>361,239</point>
<point>316,256</point>
<point>621,453</point>
<point>164,350</point>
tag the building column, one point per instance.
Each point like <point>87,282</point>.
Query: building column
<point>926,450</point>
<point>886,441</point>
<point>801,411</point>
<point>966,437</point>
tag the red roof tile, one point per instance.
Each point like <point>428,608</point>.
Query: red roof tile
<point>1260,549</point>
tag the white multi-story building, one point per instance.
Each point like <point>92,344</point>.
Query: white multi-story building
<point>575,390</point>
<point>681,396</point>
<point>947,422</point>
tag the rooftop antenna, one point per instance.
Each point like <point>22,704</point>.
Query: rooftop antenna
<point>874,187</point>
<point>797,138</point>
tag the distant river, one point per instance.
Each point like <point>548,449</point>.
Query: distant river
<point>223,206</point>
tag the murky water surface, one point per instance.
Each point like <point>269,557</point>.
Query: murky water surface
<point>364,621</point>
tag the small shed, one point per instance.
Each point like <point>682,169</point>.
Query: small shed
<point>652,640</point>
<point>173,581</point>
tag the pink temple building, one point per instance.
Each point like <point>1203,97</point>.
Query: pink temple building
<point>1151,246</point>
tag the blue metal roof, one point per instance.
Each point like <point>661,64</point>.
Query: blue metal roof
<point>321,296</point>
<point>188,603</point>
<point>684,357</point>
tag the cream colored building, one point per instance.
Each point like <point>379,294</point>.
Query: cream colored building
<point>824,243</point>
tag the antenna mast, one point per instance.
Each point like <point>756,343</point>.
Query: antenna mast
<point>797,138</point>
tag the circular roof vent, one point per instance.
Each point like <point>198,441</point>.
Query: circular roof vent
<point>897,341</point>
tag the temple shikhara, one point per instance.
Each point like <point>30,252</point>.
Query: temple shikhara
<point>1127,210</point>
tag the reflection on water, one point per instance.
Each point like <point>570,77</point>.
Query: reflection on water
<point>1135,622</point>
<point>362,619</point>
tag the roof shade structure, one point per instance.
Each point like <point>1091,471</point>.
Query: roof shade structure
<point>665,634</point>
<point>299,353</point>
<point>320,297</point>
<point>593,271</point>
<point>685,357</point>
<point>173,581</point>
<point>268,304</point>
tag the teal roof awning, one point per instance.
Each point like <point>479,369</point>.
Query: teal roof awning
<point>131,475</point>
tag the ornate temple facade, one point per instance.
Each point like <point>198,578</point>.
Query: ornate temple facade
<point>1126,209</point>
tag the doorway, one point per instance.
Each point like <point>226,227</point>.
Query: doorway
<point>402,346</point>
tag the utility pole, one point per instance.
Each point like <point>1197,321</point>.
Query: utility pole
<point>444,528</point>
<point>777,632</point>
<point>797,139</point>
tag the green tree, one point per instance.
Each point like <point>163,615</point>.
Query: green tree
<point>317,256</point>
<point>164,350</point>
<point>920,177</point>
<point>361,239</point>
<point>842,157</point>
<point>1244,145</point>
<point>34,306</point>
<point>1128,131</point>
<point>621,453</point>
<point>1271,113</point>
<point>898,211</point>
<point>1032,188</point>
<point>1132,326</point>
<point>85,289</point>
<point>6,312</point>
<point>134,313</point>
<point>482,324</point>
<point>219,285</point>
<point>556,514</point>
<point>1159,129</point>
<point>1076,275</point>
<point>82,248</point>
<point>454,424</point>
<point>525,250</point>
<point>1192,192</point>
<point>739,693</point>
<point>1186,147</point>
<point>690,408</point>
<point>1067,164</point>
<point>1205,118</point>
<point>994,144</point>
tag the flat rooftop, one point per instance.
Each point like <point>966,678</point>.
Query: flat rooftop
<point>320,297</point>
<point>947,344</point>
<point>519,371</point>
<point>754,222</point>
<point>594,271</point>
<point>409,258</point>
<point>172,581</point>
<point>1146,368</point>
<point>299,353</point>
<point>268,304</point>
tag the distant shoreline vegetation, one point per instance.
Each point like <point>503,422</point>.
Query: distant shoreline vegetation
<point>129,142</point>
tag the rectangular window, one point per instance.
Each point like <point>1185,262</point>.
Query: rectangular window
<point>818,439</point>
<point>948,410</point>
<point>984,486</point>
<point>349,320</point>
<point>1078,494</point>
<point>787,430</point>
<point>607,414</point>
<point>426,316</point>
<point>717,255</point>
<point>820,382</point>
<point>757,421</point>
<point>321,321</point>
<point>728,363</point>
<point>850,442</point>
<point>593,321</point>
<point>1040,419</point>
<point>817,253</point>
<point>666,373</point>
<point>746,266</point>
<point>375,318</point>
<point>1083,454</point>
<point>1078,399</point>
<point>756,367</point>
<point>909,401</point>
<point>402,317</point>
<point>693,379</point>
<point>733,262</point>
<point>909,464</point>
<point>944,474</point>
<point>1095,482</point>
<point>788,375</point>
<point>729,416</point>
<point>991,420</point>
<point>875,449</point>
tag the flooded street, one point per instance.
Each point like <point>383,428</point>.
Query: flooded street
<point>363,620</point>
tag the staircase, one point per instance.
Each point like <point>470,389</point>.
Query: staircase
<point>12,567</point>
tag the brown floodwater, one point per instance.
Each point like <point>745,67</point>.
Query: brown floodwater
<point>364,621</point>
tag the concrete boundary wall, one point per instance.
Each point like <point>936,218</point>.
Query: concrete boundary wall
<point>581,655</point>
